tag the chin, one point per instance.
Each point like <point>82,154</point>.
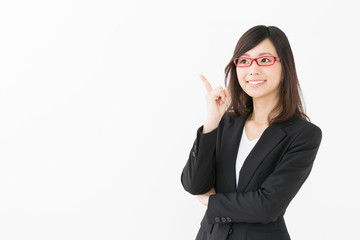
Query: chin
<point>255,94</point>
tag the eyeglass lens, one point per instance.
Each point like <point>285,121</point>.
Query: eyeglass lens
<point>262,61</point>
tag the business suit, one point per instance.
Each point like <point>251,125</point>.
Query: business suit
<point>270,177</point>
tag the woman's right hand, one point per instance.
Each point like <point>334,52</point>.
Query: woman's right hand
<point>204,198</point>
<point>217,100</point>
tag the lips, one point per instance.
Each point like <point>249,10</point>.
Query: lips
<point>256,82</point>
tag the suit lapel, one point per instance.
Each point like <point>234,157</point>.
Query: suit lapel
<point>230,149</point>
<point>268,140</point>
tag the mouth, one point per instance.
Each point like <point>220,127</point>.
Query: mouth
<point>256,83</point>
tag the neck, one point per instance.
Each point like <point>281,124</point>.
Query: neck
<point>262,109</point>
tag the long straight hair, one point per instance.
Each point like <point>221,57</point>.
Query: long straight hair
<point>290,101</point>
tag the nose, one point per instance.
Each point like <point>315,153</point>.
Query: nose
<point>254,69</point>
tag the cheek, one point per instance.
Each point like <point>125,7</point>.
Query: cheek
<point>274,74</point>
<point>241,75</point>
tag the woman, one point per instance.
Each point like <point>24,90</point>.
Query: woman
<point>256,147</point>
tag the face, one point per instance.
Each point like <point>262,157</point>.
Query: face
<point>261,82</point>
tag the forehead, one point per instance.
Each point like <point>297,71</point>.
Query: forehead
<point>263,48</point>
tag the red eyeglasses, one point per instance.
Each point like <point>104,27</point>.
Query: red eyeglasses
<point>260,61</point>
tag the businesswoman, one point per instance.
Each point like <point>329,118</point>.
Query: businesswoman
<point>256,147</point>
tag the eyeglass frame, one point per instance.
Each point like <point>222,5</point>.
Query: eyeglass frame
<point>255,59</point>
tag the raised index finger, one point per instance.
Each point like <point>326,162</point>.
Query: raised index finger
<point>206,83</point>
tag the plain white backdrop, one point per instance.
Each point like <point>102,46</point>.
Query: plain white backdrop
<point>100,102</point>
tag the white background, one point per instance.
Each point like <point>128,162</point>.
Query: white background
<point>100,102</point>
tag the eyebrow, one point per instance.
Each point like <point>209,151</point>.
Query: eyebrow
<point>260,54</point>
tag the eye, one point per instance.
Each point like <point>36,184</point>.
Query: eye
<point>265,60</point>
<point>243,61</point>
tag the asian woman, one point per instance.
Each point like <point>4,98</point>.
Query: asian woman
<point>256,147</point>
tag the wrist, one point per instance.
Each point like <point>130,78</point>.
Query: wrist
<point>210,125</point>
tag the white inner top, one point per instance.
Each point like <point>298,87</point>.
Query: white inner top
<point>245,148</point>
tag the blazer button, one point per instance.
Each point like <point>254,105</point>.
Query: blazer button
<point>228,219</point>
<point>193,153</point>
<point>217,219</point>
<point>223,220</point>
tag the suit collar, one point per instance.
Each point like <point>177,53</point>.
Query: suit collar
<point>230,149</point>
<point>266,143</point>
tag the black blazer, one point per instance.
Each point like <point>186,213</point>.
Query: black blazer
<point>270,177</point>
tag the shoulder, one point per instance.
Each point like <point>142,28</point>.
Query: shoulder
<point>297,124</point>
<point>230,118</point>
<point>302,130</point>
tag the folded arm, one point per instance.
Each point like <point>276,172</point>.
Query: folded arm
<point>274,195</point>
<point>198,175</point>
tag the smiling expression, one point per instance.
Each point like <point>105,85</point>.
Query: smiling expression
<point>260,82</point>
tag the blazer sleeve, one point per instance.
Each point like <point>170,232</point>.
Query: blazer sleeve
<point>198,175</point>
<point>267,203</point>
